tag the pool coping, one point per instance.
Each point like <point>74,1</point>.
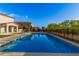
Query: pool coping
<point>37,54</point>
<point>12,38</point>
<point>76,44</point>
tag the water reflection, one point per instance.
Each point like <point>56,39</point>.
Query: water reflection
<point>42,42</point>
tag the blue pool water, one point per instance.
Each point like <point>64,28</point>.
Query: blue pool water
<point>41,42</point>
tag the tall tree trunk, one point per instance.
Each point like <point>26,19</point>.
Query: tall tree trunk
<point>72,36</point>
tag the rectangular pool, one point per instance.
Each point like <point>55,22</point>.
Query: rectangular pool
<point>41,42</point>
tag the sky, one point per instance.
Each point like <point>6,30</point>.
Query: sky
<point>41,14</point>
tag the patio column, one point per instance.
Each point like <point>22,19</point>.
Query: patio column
<point>17,29</point>
<point>7,29</point>
<point>12,29</point>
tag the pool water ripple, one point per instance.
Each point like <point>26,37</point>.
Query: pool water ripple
<point>42,42</point>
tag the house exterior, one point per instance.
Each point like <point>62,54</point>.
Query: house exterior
<point>7,24</point>
<point>24,26</point>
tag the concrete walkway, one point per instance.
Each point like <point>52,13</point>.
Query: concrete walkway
<point>13,37</point>
<point>12,53</point>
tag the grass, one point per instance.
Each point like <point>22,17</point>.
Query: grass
<point>18,33</point>
<point>2,36</point>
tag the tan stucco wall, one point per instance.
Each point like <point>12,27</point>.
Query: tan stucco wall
<point>9,22</point>
<point>2,30</point>
<point>5,19</point>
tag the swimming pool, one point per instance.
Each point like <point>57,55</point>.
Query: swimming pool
<point>41,42</point>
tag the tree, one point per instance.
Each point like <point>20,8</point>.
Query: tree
<point>67,27</point>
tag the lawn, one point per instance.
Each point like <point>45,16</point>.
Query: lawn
<point>19,33</point>
<point>2,36</point>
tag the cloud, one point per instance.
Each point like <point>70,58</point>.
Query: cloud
<point>9,14</point>
<point>18,16</point>
<point>14,15</point>
<point>26,17</point>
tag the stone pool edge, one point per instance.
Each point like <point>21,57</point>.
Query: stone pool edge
<point>13,39</point>
<point>76,44</point>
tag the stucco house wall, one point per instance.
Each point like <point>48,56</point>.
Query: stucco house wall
<point>6,19</point>
<point>7,24</point>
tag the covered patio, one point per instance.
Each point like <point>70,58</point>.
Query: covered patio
<point>8,28</point>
